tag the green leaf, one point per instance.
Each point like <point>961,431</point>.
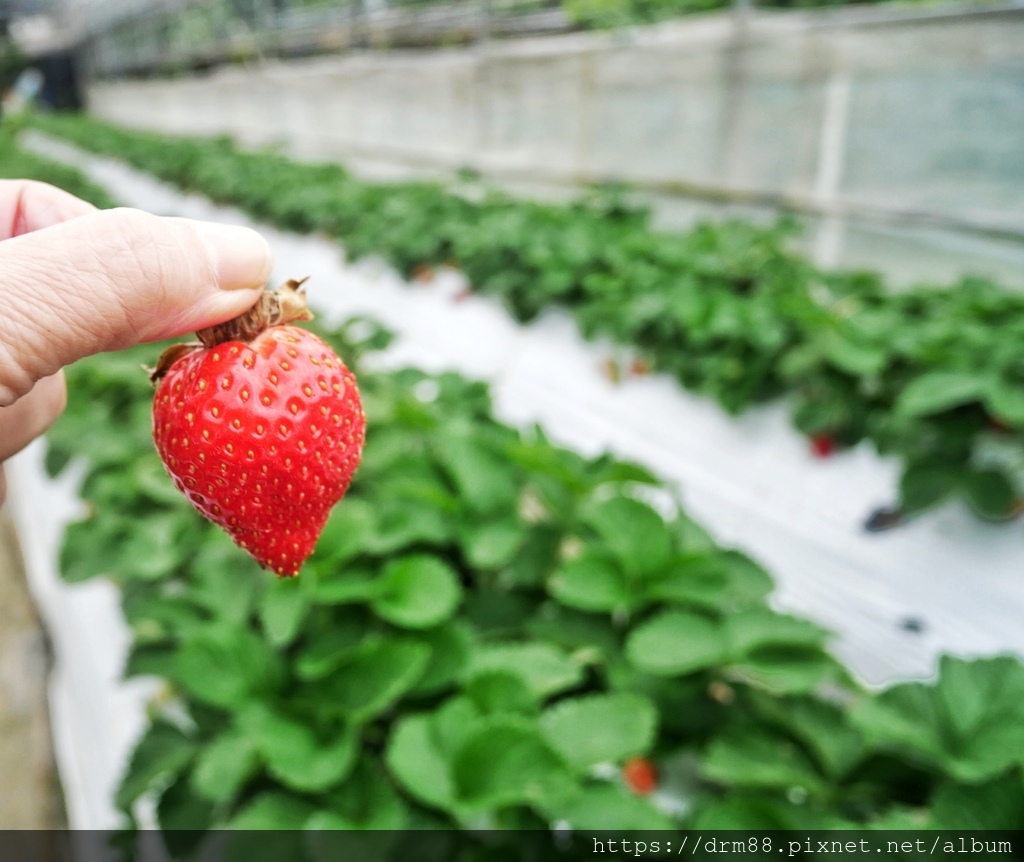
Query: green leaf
<point>590,583</point>
<point>500,691</point>
<point>415,761</point>
<point>449,647</point>
<point>990,493</point>
<point>507,762</point>
<point>998,804</point>
<point>970,724</point>
<point>346,534</point>
<point>675,643</point>
<point>744,811</point>
<point>602,807</point>
<point>376,675</point>
<point>184,818</point>
<point>754,628</point>
<point>714,581</point>
<point>417,592</point>
<point>223,766</point>
<point>937,391</point>
<point>344,585</point>
<point>326,650</point>
<point>755,757</point>
<point>493,544</point>
<point>282,609</point>
<point>483,481</point>
<point>862,360</point>
<point>545,669</point>
<point>280,812</point>
<point>823,728</point>
<point>600,728</point>
<point>164,751</point>
<point>295,756</point>
<point>634,534</point>
<point>1005,401</point>
<point>926,484</point>
<point>226,666</point>
<point>788,669</point>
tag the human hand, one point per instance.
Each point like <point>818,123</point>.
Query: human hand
<point>75,281</point>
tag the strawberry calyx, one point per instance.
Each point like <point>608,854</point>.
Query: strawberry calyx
<point>278,307</point>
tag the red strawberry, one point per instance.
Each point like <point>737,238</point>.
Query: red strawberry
<point>261,427</point>
<point>823,445</point>
<point>640,776</point>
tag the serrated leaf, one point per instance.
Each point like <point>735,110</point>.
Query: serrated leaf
<point>279,812</point>
<point>755,757</point>
<point>1005,401</point>
<point>346,534</point>
<point>325,651</point>
<point>788,669</point>
<point>226,666</point>
<point>854,357</point>
<point>825,729</point>
<point>342,585</point>
<point>449,647</point>
<point>282,609</point>
<point>163,751</point>
<point>754,628</point>
<point>545,669</point>
<point>602,807</point>
<point>926,484</point>
<point>493,544</point>
<point>989,492</point>
<point>223,766</point>
<point>997,804</point>
<point>601,728</point>
<point>590,583</point>
<point>936,391</point>
<point>483,481</point>
<point>970,723</point>
<point>507,762</point>
<point>377,674</point>
<point>295,756</point>
<point>675,643</point>
<point>635,535</point>
<point>500,691</point>
<point>417,592</point>
<point>417,764</point>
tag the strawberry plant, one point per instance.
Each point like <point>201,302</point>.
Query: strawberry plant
<point>933,376</point>
<point>494,632</point>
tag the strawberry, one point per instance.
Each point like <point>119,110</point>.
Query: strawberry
<point>823,445</point>
<point>261,427</point>
<point>640,776</point>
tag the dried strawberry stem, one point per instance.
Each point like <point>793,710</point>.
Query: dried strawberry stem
<point>285,305</point>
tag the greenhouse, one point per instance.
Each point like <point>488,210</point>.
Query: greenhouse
<point>460,429</point>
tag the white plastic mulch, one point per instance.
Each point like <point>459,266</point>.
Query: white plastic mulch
<point>751,481</point>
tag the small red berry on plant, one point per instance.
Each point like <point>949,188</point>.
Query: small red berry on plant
<point>823,445</point>
<point>261,427</point>
<point>640,776</point>
<point>639,367</point>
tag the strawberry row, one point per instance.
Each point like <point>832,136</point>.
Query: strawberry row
<point>483,592</point>
<point>934,376</point>
<point>480,591</point>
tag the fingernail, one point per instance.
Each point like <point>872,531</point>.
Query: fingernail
<point>241,256</point>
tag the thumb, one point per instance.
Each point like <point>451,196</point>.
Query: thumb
<point>111,279</point>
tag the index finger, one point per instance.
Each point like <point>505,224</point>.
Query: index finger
<point>27,205</point>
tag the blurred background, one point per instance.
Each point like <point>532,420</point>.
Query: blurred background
<point>891,134</point>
